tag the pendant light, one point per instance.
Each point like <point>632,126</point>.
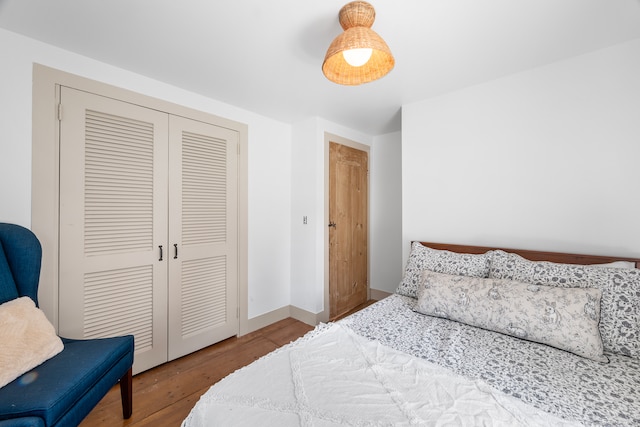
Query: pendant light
<point>358,55</point>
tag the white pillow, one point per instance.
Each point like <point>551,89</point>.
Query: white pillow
<point>27,337</point>
<point>565,318</point>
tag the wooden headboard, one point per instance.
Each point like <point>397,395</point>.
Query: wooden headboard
<point>535,255</point>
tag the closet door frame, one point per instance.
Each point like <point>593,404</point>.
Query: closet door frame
<point>46,186</point>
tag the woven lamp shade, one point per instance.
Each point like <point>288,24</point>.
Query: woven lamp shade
<point>356,18</point>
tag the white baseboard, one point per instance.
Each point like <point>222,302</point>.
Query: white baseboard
<point>266,319</point>
<point>282,313</point>
<point>304,316</point>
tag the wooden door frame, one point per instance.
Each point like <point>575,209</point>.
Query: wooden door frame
<point>328,138</point>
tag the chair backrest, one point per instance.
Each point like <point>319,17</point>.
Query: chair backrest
<point>20,257</point>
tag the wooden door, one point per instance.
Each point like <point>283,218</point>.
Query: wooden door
<point>348,228</point>
<point>203,235</point>
<point>113,220</point>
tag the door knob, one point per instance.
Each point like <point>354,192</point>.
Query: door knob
<point>332,224</point>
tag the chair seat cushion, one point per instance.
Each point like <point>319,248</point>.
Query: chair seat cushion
<point>23,422</point>
<point>49,390</point>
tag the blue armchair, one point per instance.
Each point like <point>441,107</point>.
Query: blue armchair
<point>69,385</point>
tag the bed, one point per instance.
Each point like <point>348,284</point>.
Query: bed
<point>473,336</point>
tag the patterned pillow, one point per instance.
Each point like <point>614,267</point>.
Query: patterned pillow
<point>620,306</point>
<point>617,264</point>
<point>424,258</point>
<point>565,318</point>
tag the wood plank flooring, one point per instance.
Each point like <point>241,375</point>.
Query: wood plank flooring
<point>164,395</point>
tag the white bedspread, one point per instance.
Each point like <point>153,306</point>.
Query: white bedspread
<point>333,377</point>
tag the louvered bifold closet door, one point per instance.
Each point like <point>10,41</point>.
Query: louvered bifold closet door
<point>113,218</point>
<point>203,276</point>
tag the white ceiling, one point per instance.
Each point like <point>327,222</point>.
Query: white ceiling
<point>265,55</point>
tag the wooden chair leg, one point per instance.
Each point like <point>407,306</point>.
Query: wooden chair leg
<point>126,392</point>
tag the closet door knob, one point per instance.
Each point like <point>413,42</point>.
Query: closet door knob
<point>175,246</point>
<point>160,246</point>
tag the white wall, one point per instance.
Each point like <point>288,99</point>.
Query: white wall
<point>306,169</point>
<point>545,159</point>
<point>269,157</point>
<point>269,216</point>
<point>386,212</point>
<point>309,198</point>
<point>287,172</point>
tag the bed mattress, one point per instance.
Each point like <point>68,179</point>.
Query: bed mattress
<point>334,377</point>
<point>555,381</point>
<point>390,366</point>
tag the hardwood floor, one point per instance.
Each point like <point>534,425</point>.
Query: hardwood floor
<point>164,395</point>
